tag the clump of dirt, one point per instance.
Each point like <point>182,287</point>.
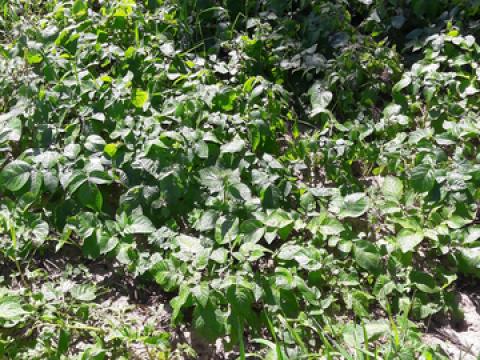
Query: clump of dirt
<point>460,343</point>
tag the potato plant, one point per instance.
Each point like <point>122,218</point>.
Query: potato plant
<point>298,179</point>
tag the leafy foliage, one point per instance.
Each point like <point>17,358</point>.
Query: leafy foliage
<point>301,177</point>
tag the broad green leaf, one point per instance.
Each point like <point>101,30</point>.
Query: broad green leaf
<point>213,178</point>
<point>325,225</point>
<point>15,175</point>
<point>354,205</point>
<point>278,219</point>
<point>34,56</point>
<point>424,282</point>
<point>241,298</point>
<point>189,244</point>
<point>422,178</point>
<point>253,230</point>
<point>252,251</point>
<point>234,146</point>
<point>207,221</point>
<point>208,322</point>
<point>457,222</point>
<point>40,232</point>
<point>288,252</point>
<point>367,256</point>
<point>167,49</point>
<point>469,260</point>
<point>11,309</point>
<point>473,235</point>
<point>392,187</point>
<point>201,293</point>
<point>140,224</point>
<point>408,239</point>
<point>90,196</point>
<point>80,8</point>
<point>219,255</point>
<point>99,177</point>
<point>84,292</point>
<point>241,192</point>
<point>354,335</point>
<point>105,243</point>
<point>226,230</point>
<point>95,143</point>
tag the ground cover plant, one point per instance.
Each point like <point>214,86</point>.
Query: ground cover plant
<point>272,179</point>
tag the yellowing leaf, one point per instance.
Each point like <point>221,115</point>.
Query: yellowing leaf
<point>139,98</point>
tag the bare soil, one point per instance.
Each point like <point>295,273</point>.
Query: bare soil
<point>460,342</point>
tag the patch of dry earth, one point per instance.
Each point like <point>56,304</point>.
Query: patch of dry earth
<point>464,343</point>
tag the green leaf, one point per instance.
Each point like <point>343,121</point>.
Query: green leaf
<point>366,2</point>
<point>354,334</point>
<point>392,187</point>
<point>110,149</point>
<point>95,143</point>
<point>422,178</point>
<point>11,309</point>
<point>408,239</point>
<point>226,230</point>
<point>208,322</point>
<point>140,225</point>
<point>241,192</point>
<point>79,8</point>
<point>189,244</point>
<point>367,256</point>
<point>278,219</point>
<point>139,98</point>
<point>63,341</point>
<point>225,100</point>
<point>252,251</point>
<point>289,251</point>
<point>319,99</point>
<point>207,221</point>
<point>15,175</point>
<point>325,225</point>
<point>40,232</point>
<point>84,292</point>
<point>99,177</point>
<point>74,181</point>
<point>354,205</point>
<point>253,230</point>
<point>99,244</point>
<point>403,83</point>
<point>90,196</point>
<point>201,293</point>
<point>181,300</point>
<point>167,49</point>
<point>215,178</point>
<point>469,260</point>
<point>34,56</point>
<point>241,298</point>
<point>424,282</point>
<point>234,146</point>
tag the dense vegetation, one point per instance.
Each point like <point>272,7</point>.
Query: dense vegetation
<point>298,178</point>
